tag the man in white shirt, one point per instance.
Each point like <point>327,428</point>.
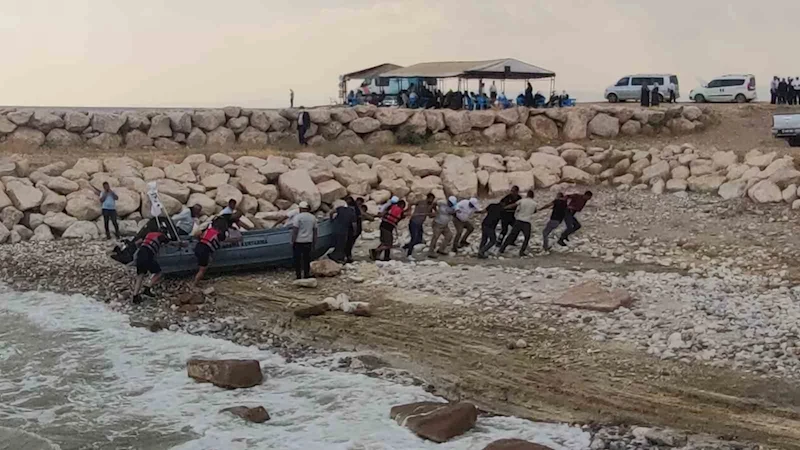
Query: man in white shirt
<point>773,90</point>
<point>441,226</point>
<point>186,219</point>
<point>304,238</point>
<point>463,213</point>
<point>672,97</point>
<point>526,209</point>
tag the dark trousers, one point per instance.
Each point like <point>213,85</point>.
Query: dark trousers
<point>351,242</point>
<point>301,254</point>
<point>416,231</point>
<point>110,215</point>
<point>519,227</point>
<point>572,224</point>
<point>488,239</point>
<point>672,98</point>
<point>387,241</point>
<point>301,134</point>
<point>773,97</point>
<point>506,222</point>
<point>339,252</point>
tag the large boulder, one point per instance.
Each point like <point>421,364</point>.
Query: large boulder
<point>421,167</point>
<point>364,125</point>
<point>550,162</point>
<point>107,122</point>
<point>105,141</point>
<point>137,139</point>
<point>457,121</point>
<point>491,162</point>
<point>20,118</point>
<point>239,124</point>
<point>733,189</point>
<point>170,204</point>
<point>520,133</point>
<point>215,180</point>
<point>60,138</point>
<point>416,125</point>
<point>571,174</point>
<point>196,139</point>
<point>784,177</point>
<point>6,126</point>
<point>228,374</point>
<point>128,201</point>
<point>45,121</point>
<point>343,115</point>
<point>76,121</point>
<point>495,133</point>
<point>434,120</point>
<point>631,128</point>
<point>159,127</point>
<point>83,205</point>
<point>381,137</point>
<point>226,193</point>
<point>173,189</point>
<point>23,196</point>
<point>575,127</point>
<point>11,216</point>
<point>509,116</point>
<point>181,173</point>
<point>331,130</point>
<point>349,138</point>
<point>459,177</point>
<point>391,117</point>
<point>180,121</point>
<point>349,173</point>
<point>543,127</point>
<point>692,113</point>
<point>42,233</point>
<point>705,183</point>
<point>4,200</point>
<point>592,296</point>
<point>62,185</point>
<point>722,160</point>
<point>437,422</point>
<point>89,165</point>
<point>83,230</point>
<point>325,268</point>
<point>765,191</point>
<point>207,204</point>
<point>604,125</point>
<point>330,191</point>
<point>221,137</point>
<point>545,177</point>
<point>757,159</point>
<point>208,120</point>
<point>659,170</point>
<point>296,186</point>
<point>59,221</point>
<point>481,118</point>
<point>679,125</point>
<point>26,137</point>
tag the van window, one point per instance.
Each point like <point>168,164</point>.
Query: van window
<point>673,79</point>
<point>715,84</point>
<point>729,83</point>
<point>658,80</point>
<point>623,81</point>
<point>638,81</point>
<point>383,82</point>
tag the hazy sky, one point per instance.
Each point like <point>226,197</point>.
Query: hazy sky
<point>250,52</point>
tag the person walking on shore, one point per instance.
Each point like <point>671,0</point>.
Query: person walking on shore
<point>575,204</point>
<point>526,209</point>
<point>494,213</point>
<point>559,206</point>
<point>291,98</point>
<point>509,203</point>
<point>359,209</point>
<point>422,211</point>
<point>441,226</point>
<point>304,238</point>
<point>390,218</point>
<point>146,262</point>
<point>210,242</point>
<point>464,228</point>
<point>344,227</point>
<point>108,201</point>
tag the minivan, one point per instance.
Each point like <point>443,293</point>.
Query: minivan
<point>727,88</point>
<point>630,87</point>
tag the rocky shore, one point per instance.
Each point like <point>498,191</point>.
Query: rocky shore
<point>351,127</point>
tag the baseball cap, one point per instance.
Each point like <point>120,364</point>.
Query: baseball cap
<point>452,199</point>
<point>395,199</point>
<point>474,202</point>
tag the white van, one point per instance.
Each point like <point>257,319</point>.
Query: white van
<point>630,87</point>
<point>727,88</point>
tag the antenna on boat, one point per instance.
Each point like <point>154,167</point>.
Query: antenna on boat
<point>157,208</point>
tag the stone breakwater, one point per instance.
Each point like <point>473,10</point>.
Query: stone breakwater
<point>58,200</point>
<point>352,127</point>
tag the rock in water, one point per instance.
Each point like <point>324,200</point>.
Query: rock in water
<point>255,415</point>
<point>514,444</point>
<point>438,422</point>
<point>592,296</point>
<point>226,373</point>
<point>325,268</point>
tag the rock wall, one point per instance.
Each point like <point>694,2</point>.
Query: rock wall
<point>62,201</point>
<point>352,127</point>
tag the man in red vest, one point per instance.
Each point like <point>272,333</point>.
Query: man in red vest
<point>389,219</point>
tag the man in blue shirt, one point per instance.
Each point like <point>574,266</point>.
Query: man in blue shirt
<point>108,200</point>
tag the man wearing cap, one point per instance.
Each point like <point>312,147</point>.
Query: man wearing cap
<point>463,213</point>
<point>304,237</point>
<point>441,226</point>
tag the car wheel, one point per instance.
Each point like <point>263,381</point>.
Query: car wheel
<point>699,98</point>
<point>741,98</point>
<point>612,98</point>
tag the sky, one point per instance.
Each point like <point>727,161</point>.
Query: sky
<point>208,53</point>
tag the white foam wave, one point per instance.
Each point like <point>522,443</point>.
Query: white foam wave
<point>140,384</point>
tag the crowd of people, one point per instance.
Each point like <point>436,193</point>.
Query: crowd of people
<point>653,96</point>
<point>425,97</point>
<point>785,91</point>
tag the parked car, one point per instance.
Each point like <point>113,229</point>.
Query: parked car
<point>727,88</point>
<point>630,87</point>
<point>787,126</point>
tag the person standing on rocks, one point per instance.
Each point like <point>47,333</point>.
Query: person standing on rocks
<point>559,206</point>
<point>210,242</point>
<point>304,238</point>
<point>441,226</point>
<point>146,262</point>
<point>344,228</point>
<point>575,204</point>
<point>422,211</point>
<point>303,124</point>
<point>645,95</point>
<point>463,213</point>
<point>389,220</point>
<point>291,98</point>
<point>526,209</point>
<point>108,200</point>
<point>494,213</point>
<point>509,203</point>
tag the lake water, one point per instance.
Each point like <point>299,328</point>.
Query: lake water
<point>75,375</point>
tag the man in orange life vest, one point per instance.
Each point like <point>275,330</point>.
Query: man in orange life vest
<point>390,218</point>
<point>146,262</point>
<point>210,241</point>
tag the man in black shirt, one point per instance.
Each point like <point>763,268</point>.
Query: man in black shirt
<point>559,206</point>
<point>344,226</point>
<point>494,213</point>
<point>359,209</point>
<point>509,203</point>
